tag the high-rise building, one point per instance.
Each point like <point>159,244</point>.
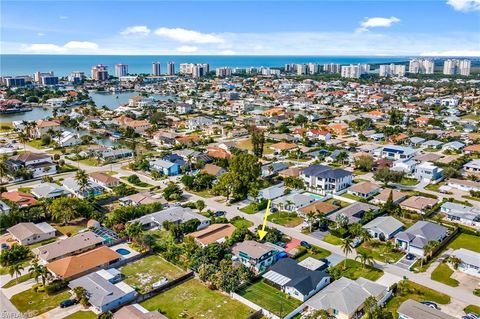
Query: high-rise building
<point>156,69</point>
<point>452,67</point>
<point>171,68</point>
<point>392,70</point>
<point>99,73</point>
<point>331,68</point>
<point>194,70</point>
<point>121,70</point>
<point>302,69</point>
<point>223,72</point>
<point>37,76</point>
<point>49,80</point>
<point>313,68</point>
<point>14,81</point>
<point>354,70</point>
<point>76,77</point>
<point>421,66</point>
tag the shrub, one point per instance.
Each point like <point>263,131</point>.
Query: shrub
<point>56,286</point>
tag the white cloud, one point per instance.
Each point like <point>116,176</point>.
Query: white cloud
<point>377,22</point>
<point>44,48</point>
<point>184,35</point>
<point>81,45</point>
<point>40,34</point>
<point>63,17</point>
<point>465,5</point>
<point>227,52</point>
<point>453,53</point>
<point>69,47</point>
<point>187,49</point>
<point>136,30</point>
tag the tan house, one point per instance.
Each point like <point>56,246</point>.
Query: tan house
<point>216,233</point>
<point>382,198</point>
<point>30,233</point>
<point>104,180</point>
<point>43,127</point>
<point>214,170</point>
<point>364,190</point>
<point>319,207</point>
<point>418,204</point>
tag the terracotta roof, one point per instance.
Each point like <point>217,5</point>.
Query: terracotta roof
<point>472,148</point>
<point>384,194</point>
<point>283,146</point>
<point>19,198</point>
<point>320,207</point>
<point>290,172</point>
<point>218,152</point>
<point>104,178</point>
<point>213,233</point>
<point>42,123</point>
<point>211,169</point>
<point>364,188</point>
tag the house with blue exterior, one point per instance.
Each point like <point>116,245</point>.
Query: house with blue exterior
<point>175,158</point>
<point>165,167</point>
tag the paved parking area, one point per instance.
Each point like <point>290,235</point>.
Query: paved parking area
<point>334,259</point>
<point>388,279</point>
<point>405,263</point>
<point>454,308</point>
<point>319,234</point>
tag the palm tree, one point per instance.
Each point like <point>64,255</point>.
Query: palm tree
<point>455,261</point>
<point>347,249</point>
<point>427,250</point>
<point>364,259</point>
<point>82,180</point>
<point>310,219</point>
<point>3,167</point>
<point>15,269</point>
<point>23,138</point>
<point>35,270</point>
<point>365,236</point>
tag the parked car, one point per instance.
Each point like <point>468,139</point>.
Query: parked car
<point>471,315</point>
<point>273,210</point>
<point>305,244</point>
<point>219,213</point>
<point>282,255</point>
<point>67,303</point>
<point>430,304</point>
<point>410,257</point>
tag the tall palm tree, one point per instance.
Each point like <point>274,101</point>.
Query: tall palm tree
<point>365,236</point>
<point>365,259</point>
<point>35,270</point>
<point>15,269</point>
<point>3,167</point>
<point>82,180</point>
<point>347,249</point>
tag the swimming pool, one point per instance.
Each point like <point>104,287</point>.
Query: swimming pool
<point>315,196</point>
<point>123,251</point>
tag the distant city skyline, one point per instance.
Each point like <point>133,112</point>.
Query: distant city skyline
<point>374,28</point>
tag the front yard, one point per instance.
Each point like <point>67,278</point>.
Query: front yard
<point>315,252</point>
<point>14,281</point>
<point>270,298</point>
<point>193,300</point>
<point>354,270</point>
<point>332,239</point>
<point>82,315</point>
<point>380,251</point>
<point>286,219</point>
<point>36,303</point>
<point>143,273</point>
<point>472,308</point>
<point>470,242</point>
<point>442,274</point>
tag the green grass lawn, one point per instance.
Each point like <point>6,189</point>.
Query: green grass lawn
<point>442,274</point>
<point>434,187</point>
<point>143,273</point>
<point>315,252</point>
<point>251,208</point>
<point>206,193</point>
<point>351,196</point>
<point>6,127</point>
<point>241,223</point>
<point>355,270</point>
<point>286,219</point>
<point>193,300</point>
<point>25,264</point>
<point>141,185</point>
<point>408,181</point>
<point>48,241</point>
<point>269,298</point>
<point>82,315</point>
<point>72,228</point>
<point>410,290</point>
<point>379,251</point>
<point>470,242</point>
<point>247,145</point>
<point>476,292</point>
<point>332,239</point>
<point>37,302</point>
<point>14,281</point>
<point>472,308</point>
<point>90,162</point>
<point>25,189</point>
<point>37,144</point>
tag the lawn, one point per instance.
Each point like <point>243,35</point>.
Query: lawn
<point>442,274</point>
<point>355,270</point>
<point>90,162</point>
<point>247,145</point>
<point>14,281</point>
<point>472,308</point>
<point>350,196</point>
<point>143,273</point>
<point>269,298</point>
<point>37,303</point>
<point>251,208</point>
<point>37,144</point>
<point>286,219</point>
<point>410,290</point>
<point>72,228</point>
<point>206,193</point>
<point>408,181</point>
<point>470,242</point>
<point>379,251</point>
<point>141,185</point>
<point>193,300</point>
<point>6,127</point>
<point>241,223</point>
<point>332,239</point>
<point>435,187</point>
<point>25,264</point>
<point>25,189</point>
<point>82,315</point>
<point>315,252</point>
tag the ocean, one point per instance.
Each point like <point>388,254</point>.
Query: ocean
<point>62,65</point>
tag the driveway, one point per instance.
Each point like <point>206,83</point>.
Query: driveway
<point>405,263</point>
<point>334,259</point>
<point>388,280</point>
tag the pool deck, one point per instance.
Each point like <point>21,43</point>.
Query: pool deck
<point>133,253</point>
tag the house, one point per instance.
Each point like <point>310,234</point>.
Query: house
<point>30,233</point>
<point>217,152</point>
<point>411,309</point>
<point>414,239</point>
<point>432,144</point>
<point>44,127</point>
<point>104,293</point>
<point>470,261</point>
<point>472,167</point>
<point>258,256</point>
<point>91,190</point>
<point>142,198</point>
<point>4,208</point>
<point>107,154</point>
<point>48,190</point>
<point>471,149</point>
<point>325,180</point>
<point>138,126</point>
<point>464,185</point>
<point>427,171</point>
<point>353,212</point>
<point>176,215</point>
<point>394,152</point>
<point>344,298</point>
<point>165,167</point>
<point>273,168</point>
<point>19,198</point>
<point>272,192</point>
<point>292,202</point>
<point>216,233</point>
<point>290,172</point>
<point>339,129</point>
<point>39,164</point>
<point>383,227</point>
<point>318,207</point>
<point>453,146</point>
<point>406,166</point>
<point>79,265</point>
<point>280,147</point>
<point>177,159</point>
<point>295,280</point>
<point>136,311</point>
<point>382,198</point>
<point>321,135</point>
<point>184,108</point>
<point>459,213</point>
<point>214,170</point>
<point>68,246</point>
<point>416,141</point>
<point>67,138</point>
<point>364,190</point>
<point>104,180</point>
<point>199,123</point>
<point>418,204</point>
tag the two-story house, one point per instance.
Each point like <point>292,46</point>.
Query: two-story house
<point>322,179</point>
<point>258,256</point>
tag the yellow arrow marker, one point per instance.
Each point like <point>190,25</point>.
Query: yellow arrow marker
<point>262,232</point>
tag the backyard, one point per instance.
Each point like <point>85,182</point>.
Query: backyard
<point>442,274</point>
<point>270,298</point>
<point>355,270</point>
<point>241,223</point>
<point>466,241</point>
<point>72,228</point>
<point>37,303</point>
<point>143,273</point>
<point>410,290</point>
<point>314,252</point>
<point>193,300</point>
<point>380,251</point>
<point>247,145</point>
<point>286,219</point>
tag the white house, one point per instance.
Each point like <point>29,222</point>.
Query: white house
<point>470,261</point>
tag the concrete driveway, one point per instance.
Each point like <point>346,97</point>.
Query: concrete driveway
<point>405,263</point>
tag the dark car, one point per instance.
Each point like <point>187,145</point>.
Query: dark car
<point>67,303</point>
<point>410,257</point>
<point>305,244</point>
<point>282,255</point>
<point>273,210</point>
<point>430,304</point>
<point>219,213</point>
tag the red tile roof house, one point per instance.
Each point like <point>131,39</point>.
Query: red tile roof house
<point>19,198</point>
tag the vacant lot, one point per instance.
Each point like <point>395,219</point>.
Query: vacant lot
<point>315,252</point>
<point>286,219</point>
<point>466,241</point>
<point>247,145</point>
<point>193,300</point>
<point>379,251</point>
<point>355,270</point>
<point>269,298</point>
<point>332,239</point>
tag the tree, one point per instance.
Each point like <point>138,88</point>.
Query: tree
<point>134,230</point>
<point>365,259</point>
<point>294,182</point>
<point>81,178</point>
<point>172,192</point>
<point>364,163</point>
<point>258,141</point>
<point>15,269</point>
<point>39,271</point>
<point>46,139</point>
<point>455,261</point>
<point>428,250</point>
<point>67,208</point>
<point>200,205</point>
<point>347,249</point>
<point>81,295</point>
<point>3,167</point>
<point>387,176</point>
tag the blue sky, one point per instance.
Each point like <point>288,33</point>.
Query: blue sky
<point>434,27</point>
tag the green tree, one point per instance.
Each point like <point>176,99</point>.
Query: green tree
<point>172,192</point>
<point>386,176</point>
<point>258,141</point>
<point>15,270</point>
<point>364,163</point>
<point>68,208</point>
<point>81,177</point>
<point>200,205</point>
<point>81,296</point>
<point>365,259</point>
<point>346,247</point>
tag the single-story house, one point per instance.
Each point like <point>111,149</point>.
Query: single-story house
<point>104,180</point>
<point>418,204</point>
<point>176,215</point>
<point>295,280</point>
<point>93,189</point>
<point>30,233</point>
<point>273,168</point>
<point>364,190</point>
<point>142,198</point>
<point>214,170</point>
<point>411,309</point>
<point>318,207</point>
<point>382,198</point>
<point>461,214</point>
<point>383,227</point>
<point>354,212</point>
<point>216,233</point>
<point>470,261</point>
<point>414,239</point>
<point>136,311</point>
<point>272,192</point>
<point>48,190</point>
<point>464,185</point>
<point>19,198</point>
<point>292,202</point>
<point>258,256</point>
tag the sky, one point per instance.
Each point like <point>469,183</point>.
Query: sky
<point>356,27</point>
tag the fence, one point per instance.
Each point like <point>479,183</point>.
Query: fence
<point>122,262</point>
<point>444,243</point>
<point>165,287</point>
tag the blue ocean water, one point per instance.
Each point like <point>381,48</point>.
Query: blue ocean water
<point>62,65</point>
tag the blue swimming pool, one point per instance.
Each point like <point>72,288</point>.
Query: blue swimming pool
<point>123,251</point>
